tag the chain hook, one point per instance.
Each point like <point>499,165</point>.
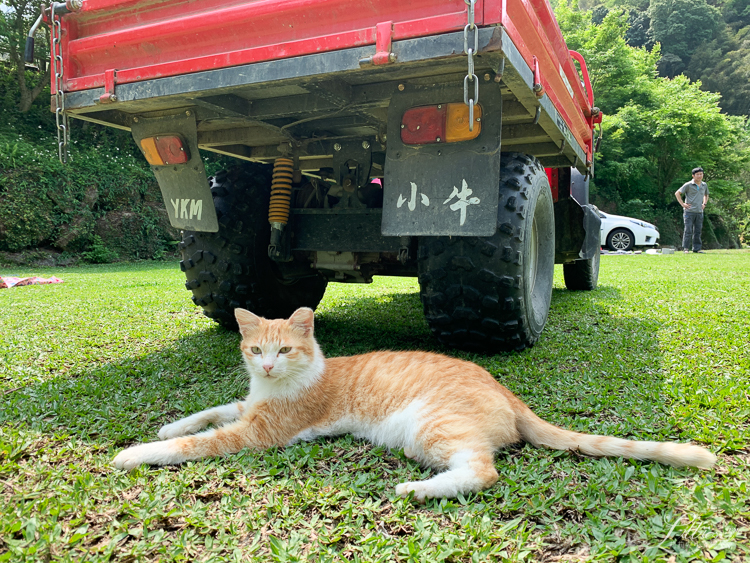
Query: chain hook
<point>470,52</point>
<point>61,118</point>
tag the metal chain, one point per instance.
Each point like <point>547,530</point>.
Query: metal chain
<point>61,118</point>
<point>470,51</point>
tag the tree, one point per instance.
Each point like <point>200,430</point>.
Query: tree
<point>657,129</point>
<point>616,69</point>
<point>598,14</point>
<point>723,65</point>
<point>736,13</point>
<point>14,26</point>
<point>661,141</point>
<point>638,26</point>
<point>681,26</point>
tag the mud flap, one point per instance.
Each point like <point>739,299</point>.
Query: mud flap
<point>442,188</point>
<point>592,224</point>
<point>184,187</point>
<point>577,231</point>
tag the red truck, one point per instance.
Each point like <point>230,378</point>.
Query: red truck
<point>450,140</point>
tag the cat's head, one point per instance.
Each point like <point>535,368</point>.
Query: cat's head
<point>279,349</point>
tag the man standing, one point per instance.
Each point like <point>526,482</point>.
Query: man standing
<point>696,198</point>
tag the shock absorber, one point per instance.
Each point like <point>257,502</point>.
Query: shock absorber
<point>281,191</point>
<point>278,209</point>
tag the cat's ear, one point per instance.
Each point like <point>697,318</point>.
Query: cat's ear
<point>302,321</point>
<point>247,321</point>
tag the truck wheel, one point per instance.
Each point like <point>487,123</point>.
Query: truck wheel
<point>582,275</point>
<point>231,268</point>
<point>620,239</point>
<point>492,294</point>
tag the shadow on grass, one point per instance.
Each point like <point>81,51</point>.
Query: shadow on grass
<point>587,365</point>
<point>392,321</point>
<point>596,369</point>
<point>126,401</point>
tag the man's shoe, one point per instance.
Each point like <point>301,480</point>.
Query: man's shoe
<point>698,251</point>
<point>686,251</point>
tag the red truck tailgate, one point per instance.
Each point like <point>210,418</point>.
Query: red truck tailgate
<point>145,40</point>
<point>151,39</point>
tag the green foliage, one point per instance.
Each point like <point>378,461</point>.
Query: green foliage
<point>744,222</point>
<point>97,197</point>
<point>678,128</point>
<point>638,26</point>
<point>618,72</point>
<point>681,26</point>
<point>651,148</point>
<point>101,361</point>
<point>99,253</point>
<point>707,40</point>
<point>723,65</point>
<point>656,130</point>
<point>598,14</point>
<point>16,19</point>
<point>729,212</point>
<point>104,205</point>
<point>736,13</point>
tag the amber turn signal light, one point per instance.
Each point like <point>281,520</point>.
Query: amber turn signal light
<point>442,123</point>
<point>165,149</point>
<point>457,123</point>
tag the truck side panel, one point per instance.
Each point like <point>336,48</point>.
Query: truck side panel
<point>534,30</point>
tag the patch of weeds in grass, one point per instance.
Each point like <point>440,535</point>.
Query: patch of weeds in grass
<point>658,352</point>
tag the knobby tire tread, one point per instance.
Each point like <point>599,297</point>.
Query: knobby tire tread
<point>472,288</point>
<point>582,275</point>
<point>230,268</point>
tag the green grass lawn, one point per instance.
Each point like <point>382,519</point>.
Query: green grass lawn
<point>661,351</point>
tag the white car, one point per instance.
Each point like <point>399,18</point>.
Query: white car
<point>623,233</point>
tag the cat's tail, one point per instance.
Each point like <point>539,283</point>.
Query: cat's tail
<point>540,433</point>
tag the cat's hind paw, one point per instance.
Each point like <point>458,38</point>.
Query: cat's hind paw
<point>419,488</point>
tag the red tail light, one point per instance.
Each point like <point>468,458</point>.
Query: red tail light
<point>423,125</point>
<point>165,149</point>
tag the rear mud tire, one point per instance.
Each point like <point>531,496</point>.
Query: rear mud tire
<point>493,294</point>
<point>582,275</point>
<point>230,268</point>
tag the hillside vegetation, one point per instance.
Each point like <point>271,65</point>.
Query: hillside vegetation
<point>658,128</point>
<point>105,205</point>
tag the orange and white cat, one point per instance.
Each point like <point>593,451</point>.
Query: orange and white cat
<point>445,413</point>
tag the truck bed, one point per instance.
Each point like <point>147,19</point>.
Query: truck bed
<point>258,71</point>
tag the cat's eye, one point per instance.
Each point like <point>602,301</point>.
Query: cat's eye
<point>285,349</point>
<point>255,350</point>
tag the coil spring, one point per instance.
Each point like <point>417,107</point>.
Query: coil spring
<point>281,191</point>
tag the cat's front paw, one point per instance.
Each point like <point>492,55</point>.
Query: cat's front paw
<point>420,490</point>
<point>155,453</point>
<point>176,429</point>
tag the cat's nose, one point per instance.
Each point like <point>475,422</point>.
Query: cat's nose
<point>268,368</point>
